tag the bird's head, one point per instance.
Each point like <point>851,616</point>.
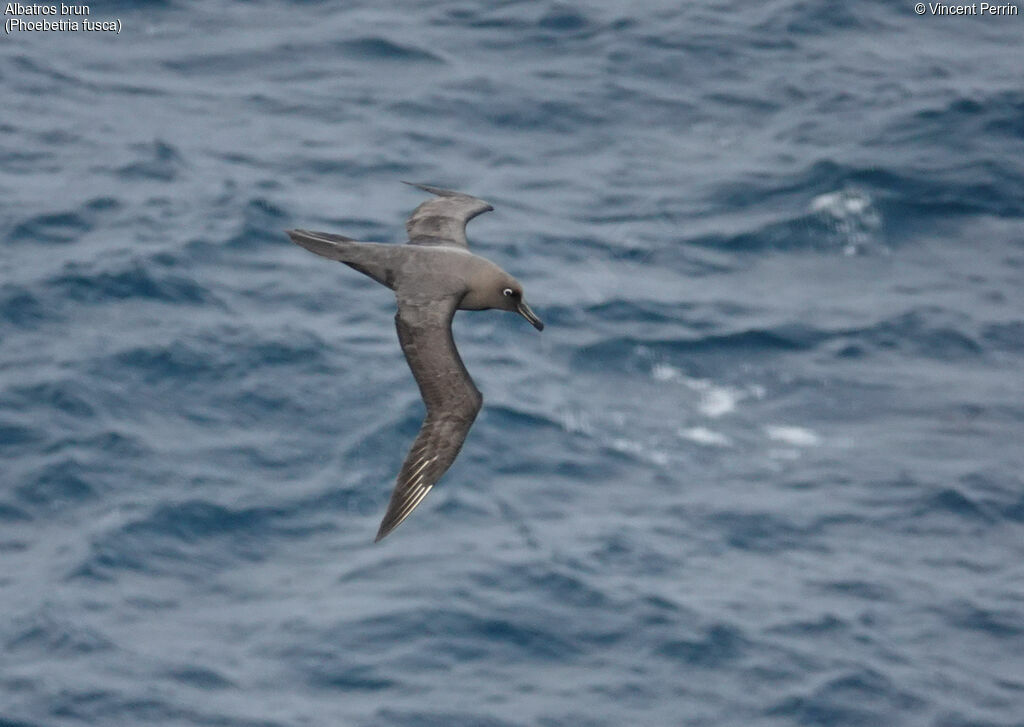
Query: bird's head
<point>511,299</point>
<point>490,288</point>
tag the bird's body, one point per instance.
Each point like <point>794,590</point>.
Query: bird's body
<point>432,276</point>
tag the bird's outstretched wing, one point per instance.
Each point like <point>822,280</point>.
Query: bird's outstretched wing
<point>452,401</point>
<point>442,221</point>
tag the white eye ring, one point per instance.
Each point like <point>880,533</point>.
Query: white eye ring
<point>507,292</point>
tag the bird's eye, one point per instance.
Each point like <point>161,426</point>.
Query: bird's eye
<point>507,292</point>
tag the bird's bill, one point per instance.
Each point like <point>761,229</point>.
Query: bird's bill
<point>524,310</point>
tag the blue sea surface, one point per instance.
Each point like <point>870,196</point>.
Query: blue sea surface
<point>763,466</point>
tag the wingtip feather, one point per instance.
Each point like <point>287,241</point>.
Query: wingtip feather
<point>439,191</point>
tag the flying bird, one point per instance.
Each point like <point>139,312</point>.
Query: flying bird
<point>433,276</point>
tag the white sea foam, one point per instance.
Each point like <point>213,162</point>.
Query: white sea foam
<point>705,436</point>
<point>715,400</point>
<point>795,436</point>
<point>851,216</point>
<point>843,204</point>
<point>718,400</point>
<point>665,372</point>
<point>629,446</point>
<point>577,422</point>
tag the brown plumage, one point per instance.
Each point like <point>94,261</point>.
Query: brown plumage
<point>433,276</point>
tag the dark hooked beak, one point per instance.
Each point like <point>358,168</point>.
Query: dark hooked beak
<point>524,310</point>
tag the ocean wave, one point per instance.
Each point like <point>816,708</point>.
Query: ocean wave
<point>12,514</point>
<point>849,209</point>
<point>215,355</point>
<point>857,696</point>
<point>376,48</point>
<point>1007,623</point>
<point>261,224</point>
<point>932,333</point>
<point>451,718</point>
<point>928,332</point>
<point>190,539</point>
<point>136,278</point>
<point>157,161</point>
<point>106,706</point>
<point>561,586</point>
<point>15,436</point>
<point>63,396</point>
<point>766,532</point>
<point>985,121</point>
<point>291,56</point>
<point>19,307</point>
<point>1008,336</point>
<point>63,483</point>
<point>64,227</point>
<point>719,645</point>
<point>43,634</point>
<point>953,501</point>
<point>865,590</point>
<point>628,353</point>
<point>199,677</point>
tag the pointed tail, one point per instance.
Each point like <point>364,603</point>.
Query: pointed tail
<point>370,258</point>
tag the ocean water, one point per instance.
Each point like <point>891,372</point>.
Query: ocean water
<point>763,467</point>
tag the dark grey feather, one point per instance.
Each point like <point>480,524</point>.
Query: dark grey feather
<point>432,278</point>
<point>443,220</point>
<point>451,398</point>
